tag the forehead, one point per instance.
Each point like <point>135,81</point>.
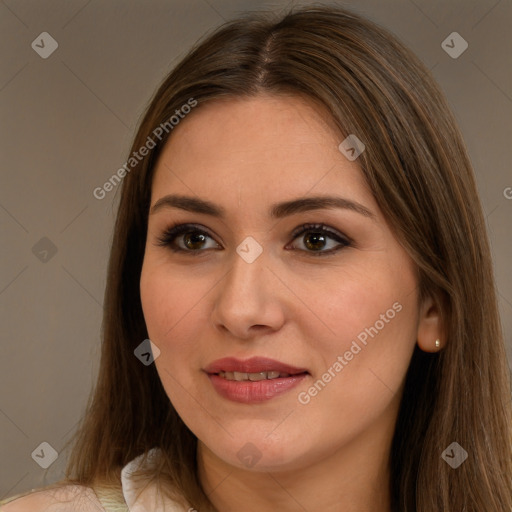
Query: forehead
<point>243,149</point>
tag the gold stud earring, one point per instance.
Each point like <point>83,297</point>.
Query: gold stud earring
<point>438,343</point>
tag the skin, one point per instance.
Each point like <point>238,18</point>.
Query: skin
<point>332,453</point>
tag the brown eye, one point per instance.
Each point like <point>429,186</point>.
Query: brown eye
<point>189,238</point>
<point>316,237</point>
<point>193,239</point>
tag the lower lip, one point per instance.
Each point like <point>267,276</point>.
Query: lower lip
<point>249,392</point>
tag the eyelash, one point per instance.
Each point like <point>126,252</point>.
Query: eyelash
<point>174,231</point>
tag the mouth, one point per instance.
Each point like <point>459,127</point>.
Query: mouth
<point>254,380</point>
<point>253,369</point>
<point>255,376</point>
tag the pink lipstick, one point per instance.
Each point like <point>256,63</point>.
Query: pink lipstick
<point>253,380</point>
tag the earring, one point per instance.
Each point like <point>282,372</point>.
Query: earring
<point>438,343</point>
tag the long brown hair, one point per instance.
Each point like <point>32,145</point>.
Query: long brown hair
<point>418,169</point>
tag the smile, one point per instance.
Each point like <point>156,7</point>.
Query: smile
<point>253,377</point>
<point>253,380</point>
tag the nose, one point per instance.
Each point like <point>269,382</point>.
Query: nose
<point>248,299</point>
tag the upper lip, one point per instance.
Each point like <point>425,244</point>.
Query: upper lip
<point>252,365</point>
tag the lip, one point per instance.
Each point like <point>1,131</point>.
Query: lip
<point>252,365</point>
<point>249,392</point>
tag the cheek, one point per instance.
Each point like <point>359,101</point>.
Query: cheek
<point>170,301</point>
<point>365,297</point>
<point>156,298</point>
<point>173,307</point>
<point>372,320</point>
<point>171,320</point>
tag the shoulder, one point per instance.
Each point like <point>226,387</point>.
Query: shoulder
<point>63,498</point>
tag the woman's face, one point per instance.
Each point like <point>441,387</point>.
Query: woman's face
<point>335,310</point>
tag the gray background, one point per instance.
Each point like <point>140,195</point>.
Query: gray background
<point>67,124</point>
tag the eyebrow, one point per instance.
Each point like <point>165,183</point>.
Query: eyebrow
<point>277,210</point>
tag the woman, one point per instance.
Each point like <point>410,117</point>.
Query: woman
<point>301,239</point>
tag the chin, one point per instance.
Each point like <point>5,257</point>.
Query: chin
<point>261,452</point>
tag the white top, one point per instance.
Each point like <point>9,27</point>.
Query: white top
<point>149,500</point>
<point>139,495</point>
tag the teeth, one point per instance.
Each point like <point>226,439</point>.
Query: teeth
<point>257,376</point>
<point>254,377</point>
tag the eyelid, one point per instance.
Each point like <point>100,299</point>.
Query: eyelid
<point>342,240</point>
<point>177,229</point>
<point>324,228</point>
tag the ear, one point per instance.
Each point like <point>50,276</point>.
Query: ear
<point>430,326</point>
